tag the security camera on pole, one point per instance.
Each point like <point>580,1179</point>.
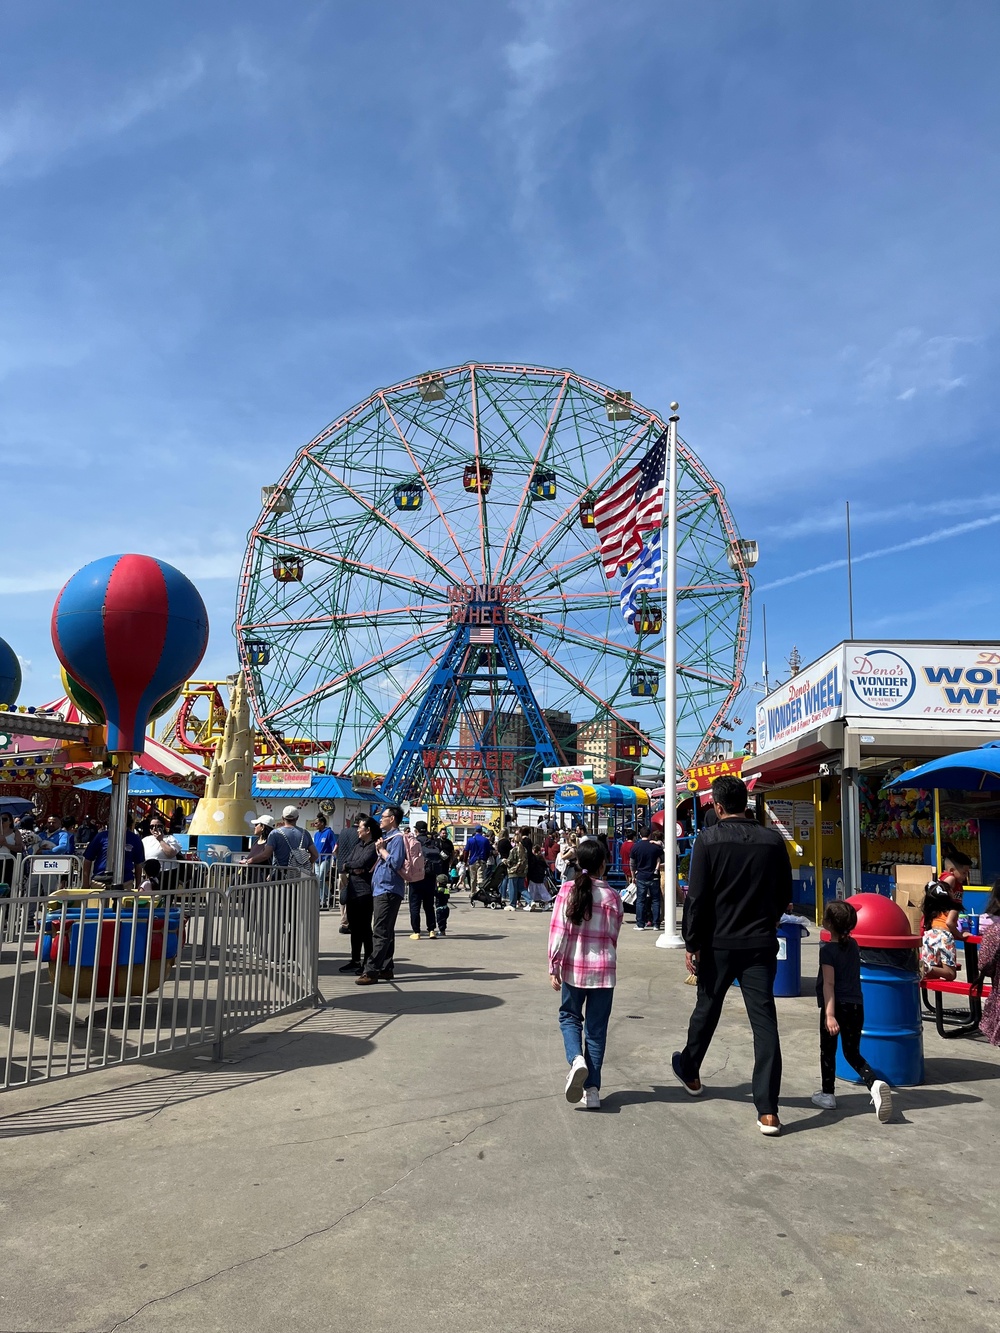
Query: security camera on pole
<point>670,939</point>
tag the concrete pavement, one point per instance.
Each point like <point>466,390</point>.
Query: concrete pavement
<point>404,1159</point>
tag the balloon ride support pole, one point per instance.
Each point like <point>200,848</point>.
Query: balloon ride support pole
<point>118,817</point>
<point>938,862</point>
<point>670,938</point>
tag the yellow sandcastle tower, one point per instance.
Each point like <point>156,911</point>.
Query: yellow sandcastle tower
<point>227,807</point>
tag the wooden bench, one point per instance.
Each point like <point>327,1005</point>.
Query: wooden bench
<point>951,1022</point>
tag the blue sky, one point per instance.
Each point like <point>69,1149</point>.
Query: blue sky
<point>222,225</point>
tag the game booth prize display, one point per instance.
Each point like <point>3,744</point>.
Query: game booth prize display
<point>130,630</point>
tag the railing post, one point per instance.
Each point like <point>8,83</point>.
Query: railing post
<point>221,987</point>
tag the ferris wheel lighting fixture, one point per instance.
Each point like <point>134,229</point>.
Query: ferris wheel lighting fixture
<point>742,552</point>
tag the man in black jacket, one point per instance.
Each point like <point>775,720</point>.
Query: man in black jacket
<point>740,884</point>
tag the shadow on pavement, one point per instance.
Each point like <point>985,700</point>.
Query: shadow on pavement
<point>941,1069</point>
<point>388,998</point>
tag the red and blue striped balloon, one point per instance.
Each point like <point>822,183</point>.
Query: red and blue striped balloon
<point>130,629</point>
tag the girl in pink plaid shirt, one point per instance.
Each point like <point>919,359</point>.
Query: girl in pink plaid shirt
<point>586,920</point>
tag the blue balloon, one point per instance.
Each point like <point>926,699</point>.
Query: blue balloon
<point>10,674</point>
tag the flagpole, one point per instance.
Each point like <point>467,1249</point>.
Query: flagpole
<point>670,938</point>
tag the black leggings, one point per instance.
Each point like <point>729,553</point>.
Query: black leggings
<point>851,1018</point>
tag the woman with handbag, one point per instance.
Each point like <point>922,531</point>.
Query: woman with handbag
<point>358,865</point>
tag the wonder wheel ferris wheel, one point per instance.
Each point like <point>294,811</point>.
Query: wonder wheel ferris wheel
<point>426,575</point>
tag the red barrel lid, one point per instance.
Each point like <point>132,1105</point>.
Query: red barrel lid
<point>881,924</point>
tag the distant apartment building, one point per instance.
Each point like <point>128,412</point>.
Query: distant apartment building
<point>607,744</point>
<point>511,732</point>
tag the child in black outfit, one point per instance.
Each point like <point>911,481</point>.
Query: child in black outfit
<point>442,911</point>
<point>842,1011</point>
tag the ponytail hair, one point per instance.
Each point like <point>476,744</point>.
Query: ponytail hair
<point>590,859</point>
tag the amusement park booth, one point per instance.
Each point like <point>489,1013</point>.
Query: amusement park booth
<point>604,807</point>
<point>313,793</point>
<point>833,736</point>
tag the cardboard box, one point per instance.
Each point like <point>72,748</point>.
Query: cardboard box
<point>909,895</point>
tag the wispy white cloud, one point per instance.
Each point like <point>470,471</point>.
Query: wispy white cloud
<point>939,535</point>
<point>33,137</point>
<point>833,518</point>
<point>199,564</point>
<point>912,363</point>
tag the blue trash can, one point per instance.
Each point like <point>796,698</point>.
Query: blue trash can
<point>788,977</point>
<point>892,1039</point>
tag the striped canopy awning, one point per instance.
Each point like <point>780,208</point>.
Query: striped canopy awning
<point>580,795</point>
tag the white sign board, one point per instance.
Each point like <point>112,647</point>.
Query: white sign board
<point>886,685</point>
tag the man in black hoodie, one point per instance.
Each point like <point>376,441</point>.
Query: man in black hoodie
<point>740,884</point>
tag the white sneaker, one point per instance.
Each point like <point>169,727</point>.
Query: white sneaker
<point>826,1100</point>
<point>575,1079</point>
<point>882,1098</point>
<point>415,935</point>
<point>591,1100</point>
<point>638,927</point>
<point>508,908</point>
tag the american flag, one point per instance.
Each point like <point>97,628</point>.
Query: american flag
<point>482,634</point>
<point>631,506</point>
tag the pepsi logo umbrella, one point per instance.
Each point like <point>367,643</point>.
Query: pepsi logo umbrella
<point>140,783</point>
<point>967,770</point>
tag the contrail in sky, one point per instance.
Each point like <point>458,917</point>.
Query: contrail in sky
<point>938,535</point>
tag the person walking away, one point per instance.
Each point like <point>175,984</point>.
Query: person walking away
<point>645,858</point>
<point>478,849</point>
<point>325,842</point>
<point>517,872</point>
<point>538,894</point>
<point>442,907</point>
<point>739,884</point>
<point>359,863</point>
<point>842,1011</point>
<point>388,887</point>
<point>422,892</point>
<point>583,936</point>
<point>503,848</point>
<point>292,850</point>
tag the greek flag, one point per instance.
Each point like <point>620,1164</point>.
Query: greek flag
<point>647,572</point>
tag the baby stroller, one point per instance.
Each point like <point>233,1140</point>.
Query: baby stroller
<point>488,892</point>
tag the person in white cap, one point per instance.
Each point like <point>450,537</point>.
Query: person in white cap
<point>292,848</point>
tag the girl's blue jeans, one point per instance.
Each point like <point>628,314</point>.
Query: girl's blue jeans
<point>583,1018</point>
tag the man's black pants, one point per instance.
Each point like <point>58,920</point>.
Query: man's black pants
<point>754,969</point>
<point>422,896</point>
<point>386,909</point>
<point>851,1018</point>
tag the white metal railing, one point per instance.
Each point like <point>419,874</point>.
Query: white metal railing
<point>90,979</point>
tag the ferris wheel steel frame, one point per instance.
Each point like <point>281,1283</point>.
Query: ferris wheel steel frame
<point>531,555</point>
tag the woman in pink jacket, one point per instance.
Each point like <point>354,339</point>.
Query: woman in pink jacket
<point>583,934</point>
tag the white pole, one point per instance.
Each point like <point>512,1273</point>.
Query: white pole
<point>670,938</point>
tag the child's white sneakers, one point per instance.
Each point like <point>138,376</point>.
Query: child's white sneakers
<point>882,1098</point>
<point>825,1100</point>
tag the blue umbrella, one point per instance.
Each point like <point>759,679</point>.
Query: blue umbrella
<point>15,806</point>
<point>529,803</point>
<point>140,783</point>
<point>968,770</point>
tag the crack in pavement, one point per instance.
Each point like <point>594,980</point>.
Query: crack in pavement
<point>309,1235</point>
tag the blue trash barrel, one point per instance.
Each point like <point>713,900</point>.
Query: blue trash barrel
<point>892,1039</point>
<point>788,977</point>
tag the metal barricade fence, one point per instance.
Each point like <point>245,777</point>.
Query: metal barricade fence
<point>90,979</point>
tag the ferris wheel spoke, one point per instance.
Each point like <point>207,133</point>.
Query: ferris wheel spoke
<point>516,526</point>
<point>602,704</point>
<point>373,663</point>
<point>383,726</point>
<point>428,489</point>
<point>340,563</point>
<point>376,514</point>
<point>540,548</point>
<point>477,444</point>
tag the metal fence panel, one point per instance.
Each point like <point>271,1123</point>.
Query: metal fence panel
<point>92,979</point>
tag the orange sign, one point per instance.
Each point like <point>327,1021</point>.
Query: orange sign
<point>702,777</point>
